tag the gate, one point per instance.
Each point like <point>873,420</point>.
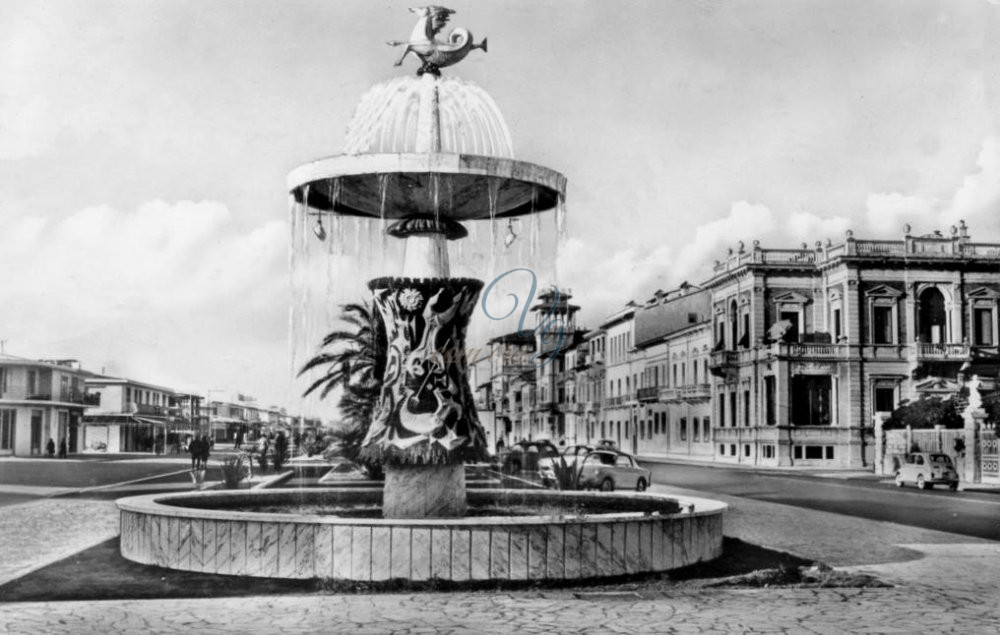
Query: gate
<point>989,460</point>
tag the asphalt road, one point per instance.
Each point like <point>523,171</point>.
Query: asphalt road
<point>968,513</point>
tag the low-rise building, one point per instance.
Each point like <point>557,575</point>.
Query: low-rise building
<point>40,400</point>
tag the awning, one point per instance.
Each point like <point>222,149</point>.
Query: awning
<point>121,419</point>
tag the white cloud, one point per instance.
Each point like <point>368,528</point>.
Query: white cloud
<point>153,291</point>
<point>978,198</point>
<point>887,212</point>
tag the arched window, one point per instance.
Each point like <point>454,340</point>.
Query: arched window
<point>932,317</point>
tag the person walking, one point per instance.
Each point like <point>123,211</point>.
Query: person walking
<point>50,448</point>
<point>206,446</point>
<point>62,448</point>
<point>194,447</point>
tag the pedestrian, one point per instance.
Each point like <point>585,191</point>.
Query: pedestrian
<point>263,446</point>
<point>50,448</point>
<point>280,451</point>
<point>194,447</point>
<point>206,445</point>
<point>62,448</point>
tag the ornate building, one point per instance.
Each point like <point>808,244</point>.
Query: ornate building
<point>781,358</point>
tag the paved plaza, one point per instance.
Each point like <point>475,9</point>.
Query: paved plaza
<point>941,582</point>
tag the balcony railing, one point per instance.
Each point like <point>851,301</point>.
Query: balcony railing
<point>810,350</point>
<point>724,358</point>
<point>942,351</point>
<point>696,392</point>
<point>669,395</point>
<point>648,393</point>
<point>614,402</point>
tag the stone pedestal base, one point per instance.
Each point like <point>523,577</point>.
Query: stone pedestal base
<point>424,491</point>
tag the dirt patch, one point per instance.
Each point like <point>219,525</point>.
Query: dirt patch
<point>101,573</point>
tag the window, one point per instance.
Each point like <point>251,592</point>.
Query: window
<point>982,327</point>
<point>623,461</point>
<point>767,451</point>
<point>836,325</point>
<point>769,397</point>
<point>797,452</point>
<point>3,380</point>
<point>815,452</point>
<point>722,409</point>
<point>706,434</point>
<point>732,408</point>
<point>811,400</point>
<point>792,317</point>
<point>746,449</point>
<point>732,449</point>
<point>684,429</point>
<point>882,327</point>
<point>8,418</point>
<point>696,429</point>
<point>722,449</point>
<point>746,407</point>
<point>885,398</point>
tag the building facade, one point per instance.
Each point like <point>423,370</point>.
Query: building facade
<point>40,400</point>
<point>782,357</point>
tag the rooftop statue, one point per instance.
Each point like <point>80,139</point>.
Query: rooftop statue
<point>423,42</point>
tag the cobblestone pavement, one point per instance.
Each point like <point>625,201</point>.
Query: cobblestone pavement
<point>36,533</point>
<point>909,609</point>
<point>944,582</point>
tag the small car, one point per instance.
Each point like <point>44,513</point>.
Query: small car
<point>608,470</point>
<point>926,469</point>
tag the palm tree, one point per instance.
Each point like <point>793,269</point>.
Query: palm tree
<point>355,362</point>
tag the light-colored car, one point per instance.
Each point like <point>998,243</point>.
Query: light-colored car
<point>926,469</point>
<point>608,470</point>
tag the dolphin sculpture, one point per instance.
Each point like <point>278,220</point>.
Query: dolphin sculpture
<point>424,44</point>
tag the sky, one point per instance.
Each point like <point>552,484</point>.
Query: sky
<point>144,146</point>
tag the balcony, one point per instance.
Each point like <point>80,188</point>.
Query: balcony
<point>810,350</point>
<point>942,352</point>
<point>614,402</point>
<point>151,410</point>
<point>696,392</point>
<point>648,394</point>
<point>669,395</point>
<point>723,359</point>
<point>884,352</point>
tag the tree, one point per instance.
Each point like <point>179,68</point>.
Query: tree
<point>355,362</point>
<point>925,413</point>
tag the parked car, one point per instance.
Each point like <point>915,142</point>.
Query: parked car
<point>925,470</point>
<point>560,471</point>
<point>608,470</point>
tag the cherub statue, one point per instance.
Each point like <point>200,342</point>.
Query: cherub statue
<point>424,44</point>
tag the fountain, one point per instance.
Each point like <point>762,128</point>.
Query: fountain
<point>427,154</point>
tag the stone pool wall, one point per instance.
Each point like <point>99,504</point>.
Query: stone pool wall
<point>550,547</point>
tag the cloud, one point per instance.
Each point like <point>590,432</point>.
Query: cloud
<point>887,212</point>
<point>978,197</point>
<point>180,279</point>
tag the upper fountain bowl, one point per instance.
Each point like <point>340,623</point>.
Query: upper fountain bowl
<point>427,146</point>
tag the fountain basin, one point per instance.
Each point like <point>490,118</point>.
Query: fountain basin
<point>194,532</point>
<point>463,190</point>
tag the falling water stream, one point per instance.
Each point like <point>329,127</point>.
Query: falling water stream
<point>327,274</point>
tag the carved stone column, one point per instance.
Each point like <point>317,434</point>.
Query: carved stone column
<point>425,415</point>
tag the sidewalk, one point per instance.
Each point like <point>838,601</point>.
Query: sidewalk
<point>783,470</point>
<point>936,589</point>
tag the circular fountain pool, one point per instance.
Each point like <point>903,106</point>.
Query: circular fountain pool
<point>563,536</point>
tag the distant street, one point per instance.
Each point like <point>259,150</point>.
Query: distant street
<point>968,513</point>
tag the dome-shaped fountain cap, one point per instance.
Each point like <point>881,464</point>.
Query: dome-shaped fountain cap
<point>428,114</point>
